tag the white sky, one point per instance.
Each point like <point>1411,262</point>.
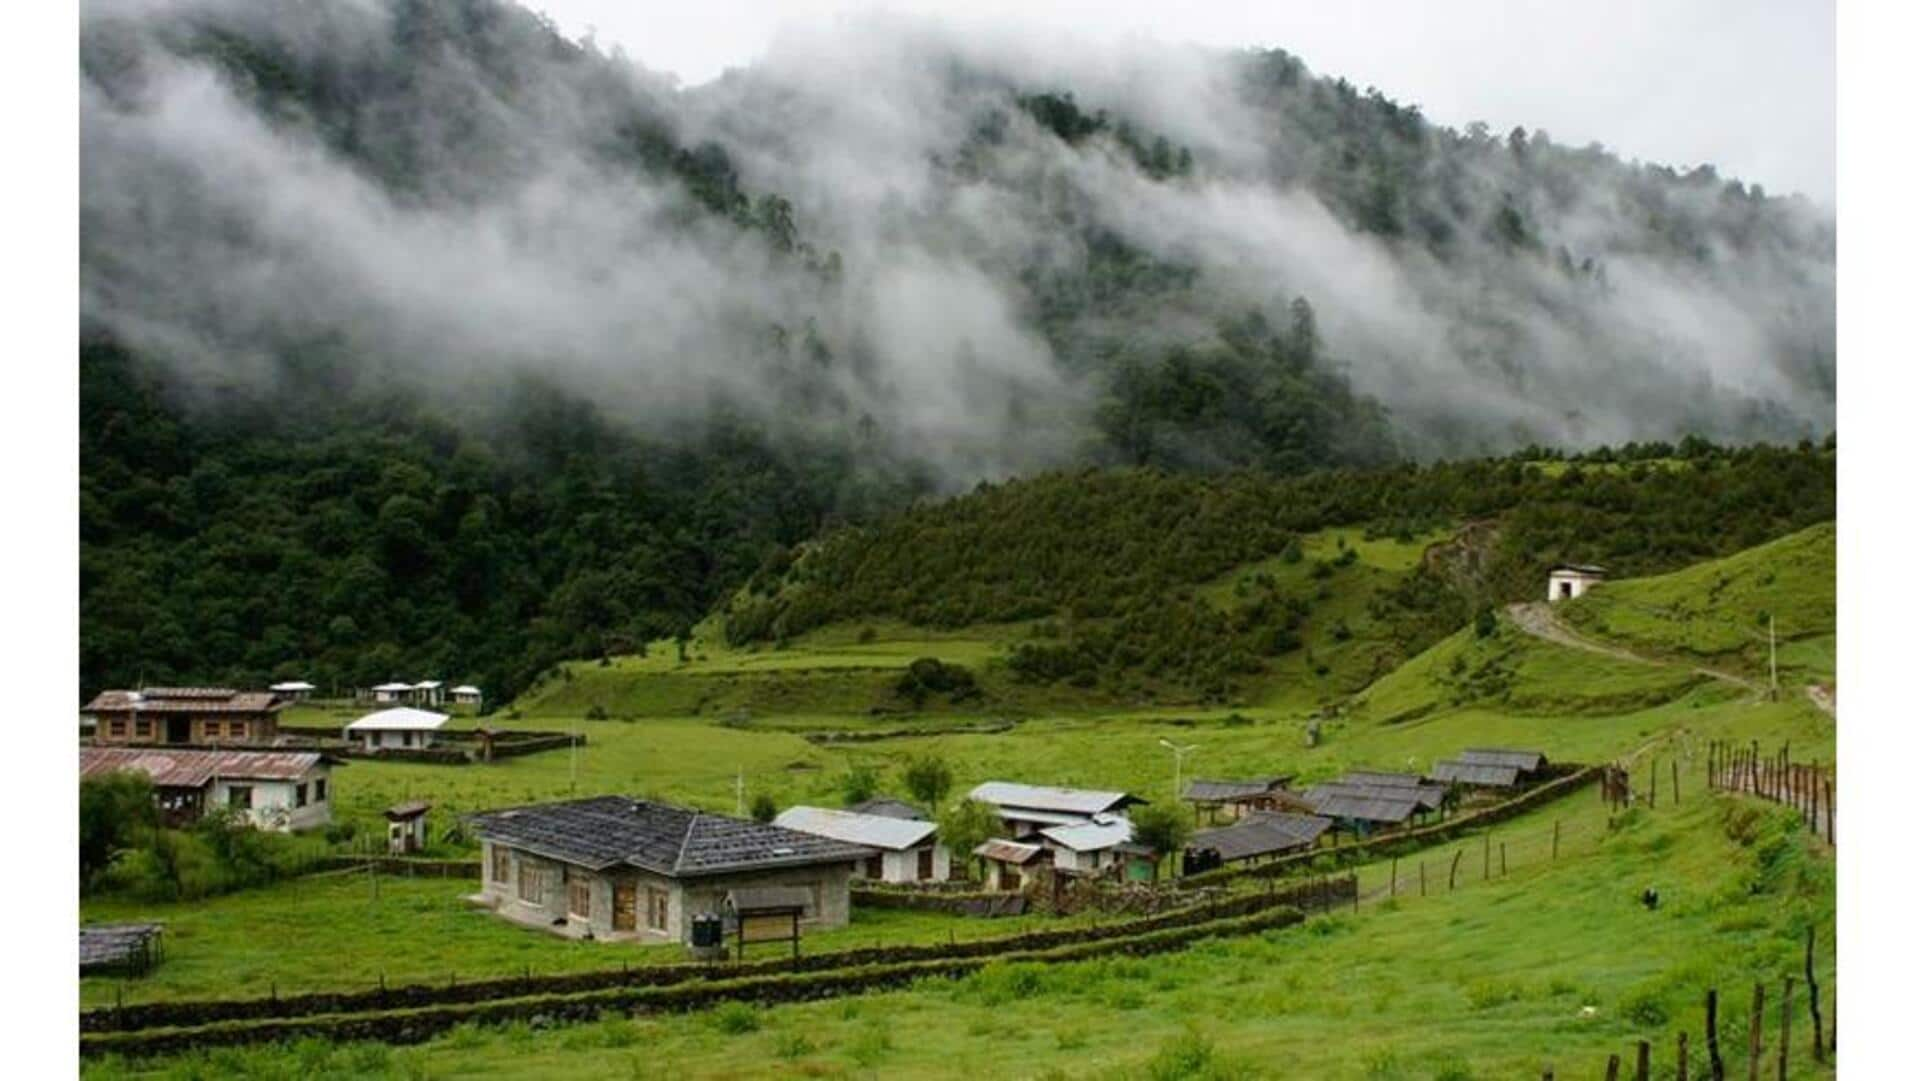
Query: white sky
<point>1747,85</point>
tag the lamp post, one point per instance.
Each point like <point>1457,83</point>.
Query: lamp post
<point>1179,755</point>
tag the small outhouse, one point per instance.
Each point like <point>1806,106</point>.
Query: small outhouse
<point>1569,580</point>
<point>407,827</point>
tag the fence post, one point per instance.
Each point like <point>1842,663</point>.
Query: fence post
<point>1455,869</point>
<point>1486,855</point>
<point>1643,1062</point>
<point>1829,788</point>
<point>1755,1022</point>
<point>1556,838</point>
<point>1676,782</point>
<point>1503,859</point>
<point>1393,878</point>
<point>1354,877</point>
<point>1716,1068</point>
<point>1680,1068</point>
<point>1813,1002</point>
<point>1423,878</point>
<point>1613,1067</point>
<point>1786,1024</point>
<point>1653,782</point>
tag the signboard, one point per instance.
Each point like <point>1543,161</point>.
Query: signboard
<point>771,928</point>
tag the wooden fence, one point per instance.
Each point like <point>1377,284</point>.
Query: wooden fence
<point>1805,787</point>
<point>1709,1061</point>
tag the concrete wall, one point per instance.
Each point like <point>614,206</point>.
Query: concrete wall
<point>905,866</point>
<point>375,739</point>
<point>1575,585</point>
<point>274,801</point>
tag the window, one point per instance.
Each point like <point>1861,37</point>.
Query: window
<point>237,729</point>
<point>240,797</point>
<point>319,790</point>
<point>210,730</point>
<point>406,739</point>
<point>300,794</point>
<point>532,889</point>
<point>116,728</point>
<point>143,729</point>
<point>579,898</point>
<point>656,909</point>
<point>500,863</point>
<point>876,868</point>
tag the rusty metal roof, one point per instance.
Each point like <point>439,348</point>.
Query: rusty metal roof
<point>1008,851</point>
<point>185,700</point>
<point>169,768</point>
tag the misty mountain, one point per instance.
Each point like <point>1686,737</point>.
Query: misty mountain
<point>963,250</point>
<point>419,337</point>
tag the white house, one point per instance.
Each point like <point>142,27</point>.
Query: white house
<point>905,850</point>
<point>392,692</point>
<point>429,692</point>
<point>1011,866</point>
<point>297,690</point>
<point>1027,809</point>
<point>402,726</point>
<point>1569,580</point>
<point>466,695</point>
<point>1098,847</point>
<point>277,790</point>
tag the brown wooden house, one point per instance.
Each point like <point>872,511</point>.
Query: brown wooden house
<point>186,715</point>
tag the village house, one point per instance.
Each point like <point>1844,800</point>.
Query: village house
<point>610,867</point>
<point>466,695</point>
<point>1102,846</point>
<point>1256,836</point>
<point>905,849</point>
<point>277,790</point>
<point>428,692</point>
<point>1570,580</point>
<point>294,690</point>
<point>1026,809</point>
<point>186,715</point>
<point>401,727</point>
<point>392,692</point>
<point>1010,865</point>
<point>888,807</point>
<point>1232,800</point>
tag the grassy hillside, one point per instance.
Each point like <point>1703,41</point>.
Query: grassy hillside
<point>1717,611</point>
<point>1554,962</point>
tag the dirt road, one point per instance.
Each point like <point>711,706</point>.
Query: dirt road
<point>1538,619</point>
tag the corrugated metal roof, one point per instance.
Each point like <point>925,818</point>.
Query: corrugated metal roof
<point>888,807</point>
<point>1476,774</point>
<point>466,688</point>
<point>1381,777</point>
<point>1262,833</point>
<point>184,700</point>
<point>427,685</point>
<point>393,687</point>
<point>877,831</point>
<point>1208,791</point>
<point>608,831</point>
<point>1078,801</point>
<point>1091,836</point>
<point>1359,808</point>
<point>1001,851</point>
<point>292,685</point>
<point>114,943</point>
<point>1578,568</point>
<point>1522,760</point>
<point>169,768</point>
<point>1427,796</point>
<point>410,809</point>
<point>399,718</point>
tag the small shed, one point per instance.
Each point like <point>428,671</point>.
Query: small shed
<point>1259,835</point>
<point>466,694</point>
<point>904,849</point>
<point>294,690</point>
<point>127,949</point>
<point>1011,866</point>
<point>1476,774</point>
<point>402,727</point>
<point>1569,580</point>
<point>407,827</point>
<point>392,692</point>
<point>429,692</point>
<point>1102,846</point>
<point>1527,762</point>
<point>1235,798</point>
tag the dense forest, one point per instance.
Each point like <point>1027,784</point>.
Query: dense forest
<point>419,339</point>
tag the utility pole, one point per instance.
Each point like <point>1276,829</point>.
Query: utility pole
<point>739,792</point>
<point>573,760</point>
<point>1773,659</point>
<point>1179,754</point>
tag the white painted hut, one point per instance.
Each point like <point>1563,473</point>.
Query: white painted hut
<point>402,727</point>
<point>294,690</point>
<point>1569,580</point>
<point>466,694</point>
<point>392,692</point>
<point>905,850</point>
<point>429,692</point>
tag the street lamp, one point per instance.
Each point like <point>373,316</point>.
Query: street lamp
<point>1179,754</point>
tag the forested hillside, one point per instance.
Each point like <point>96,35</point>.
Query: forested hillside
<point>419,338</point>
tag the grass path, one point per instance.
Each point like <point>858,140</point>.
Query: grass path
<point>1538,619</point>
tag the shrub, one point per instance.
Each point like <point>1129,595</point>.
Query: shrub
<point>1646,1006</point>
<point>763,809</point>
<point>736,1018</point>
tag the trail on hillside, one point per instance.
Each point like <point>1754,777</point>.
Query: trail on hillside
<point>1825,698</point>
<point>1538,619</point>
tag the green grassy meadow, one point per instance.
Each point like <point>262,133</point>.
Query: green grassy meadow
<point>1493,980</point>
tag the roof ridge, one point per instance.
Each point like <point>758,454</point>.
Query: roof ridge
<point>680,854</point>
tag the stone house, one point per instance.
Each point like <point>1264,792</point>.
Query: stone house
<point>610,867</point>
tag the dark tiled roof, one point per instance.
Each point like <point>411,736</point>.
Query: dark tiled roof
<point>185,700</point>
<point>1261,833</point>
<point>1381,777</point>
<point>608,831</point>
<point>888,807</point>
<point>1477,774</point>
<point>1222,791</point>
<point>1524,761</point>
<point>410,809</point>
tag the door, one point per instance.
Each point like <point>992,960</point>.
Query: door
<point>926,864</point>
<point>179,730</point>
<point>624,906</point>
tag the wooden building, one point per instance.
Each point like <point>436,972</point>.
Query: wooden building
<point>1259,835</point>
<point>610,867</point>
<point>1233,799</point>
<point>185,716</point>
<point>1012,866</point>
<point>407,827</point>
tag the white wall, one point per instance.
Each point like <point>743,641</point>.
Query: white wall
<point>1576,583</point>
<point>273,801</point>
<point>905,866</point>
